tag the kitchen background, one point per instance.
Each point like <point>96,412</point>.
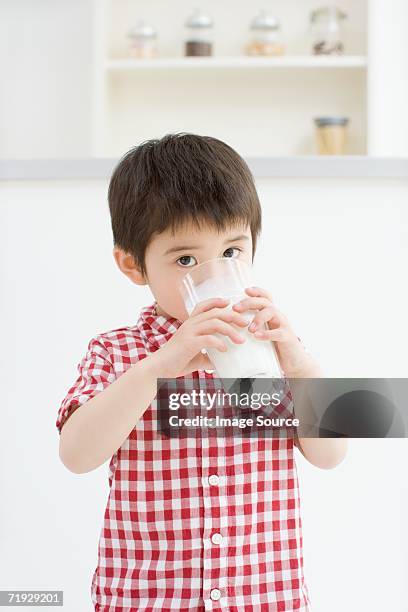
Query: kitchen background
<point>333,252</point>
<point>71,88</point>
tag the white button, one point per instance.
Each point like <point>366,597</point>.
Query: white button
<point>216,538</point>
<point>215,594</point>
<point>214,479</point>
<point>209,371</point>
<point>204,352</point>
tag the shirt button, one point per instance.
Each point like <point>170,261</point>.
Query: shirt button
<point>209,371</point>
<point>216,538</point>
<point>215,594</point>
<point>214,480</point>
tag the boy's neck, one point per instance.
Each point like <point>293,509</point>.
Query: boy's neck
<point>159,311</point>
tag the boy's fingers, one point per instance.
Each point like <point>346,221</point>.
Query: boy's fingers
<point>263,316</point>
<point>252,303</point>
<point>226,316</point>
<point>206,305</point>
<point>279,335</point>
<point>258,292</point>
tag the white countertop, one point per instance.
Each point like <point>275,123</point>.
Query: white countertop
<point>261,167</point>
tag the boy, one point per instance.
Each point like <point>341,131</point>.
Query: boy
<point>189,524</point>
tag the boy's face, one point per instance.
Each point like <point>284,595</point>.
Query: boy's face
<point>166,266</point>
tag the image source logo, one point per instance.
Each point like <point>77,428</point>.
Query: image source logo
<point>317,407</point>
<point>233,406</point>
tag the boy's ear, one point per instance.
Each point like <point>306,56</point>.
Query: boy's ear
<point>127,265</point>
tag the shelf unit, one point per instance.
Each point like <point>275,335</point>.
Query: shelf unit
<point>261,106</point>
<point>198,63</point>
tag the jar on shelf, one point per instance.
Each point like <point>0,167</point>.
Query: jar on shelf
<point>331,133</point>
<point>266,36</point>
<point>327,31</point>
<point>142,41</point>
<point>199,34</point>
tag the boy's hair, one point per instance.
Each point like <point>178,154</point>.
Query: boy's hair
<point>180,178</point>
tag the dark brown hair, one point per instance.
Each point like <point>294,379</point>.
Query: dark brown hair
<point>164,183</point>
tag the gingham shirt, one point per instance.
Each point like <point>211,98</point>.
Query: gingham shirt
<point>193,523</point>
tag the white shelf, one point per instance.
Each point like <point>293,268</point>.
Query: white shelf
<point>288,61</point>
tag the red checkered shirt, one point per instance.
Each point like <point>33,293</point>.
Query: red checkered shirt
<point>193,523</point>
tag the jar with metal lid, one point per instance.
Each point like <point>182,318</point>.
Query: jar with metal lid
<point>143,41</point>
<point>331,135</point>
<point>199,34</point>
<point>327,31</point>
<point>265,36</point>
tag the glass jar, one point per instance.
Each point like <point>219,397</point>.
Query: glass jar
<point>331,135</point>
<point>199,34</point>
<point>143,43</point>
<point>327,31</point>
<point>265,36</point>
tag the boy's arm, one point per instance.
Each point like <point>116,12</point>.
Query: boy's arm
<point>91,436</point>
<point>324,453</point>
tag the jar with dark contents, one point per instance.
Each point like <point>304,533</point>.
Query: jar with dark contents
<point>327,31</point>
<point>265,36</point>
<point>199,35</point>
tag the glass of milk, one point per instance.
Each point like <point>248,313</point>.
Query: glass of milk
<point>225,277</point>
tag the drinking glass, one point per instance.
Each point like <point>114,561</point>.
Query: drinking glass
<point>225,277</point>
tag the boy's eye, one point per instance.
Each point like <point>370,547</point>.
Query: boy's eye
<point>232,249</point>
<point>184,260</point>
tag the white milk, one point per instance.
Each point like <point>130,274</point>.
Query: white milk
<point>253,358</point>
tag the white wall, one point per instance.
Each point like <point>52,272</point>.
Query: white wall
<point>333,253</point>
<point>387,82</point>
<point>45,62</point>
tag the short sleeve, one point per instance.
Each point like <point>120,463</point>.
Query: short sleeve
<point>95,373</point>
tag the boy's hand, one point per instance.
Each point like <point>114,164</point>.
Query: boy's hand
<point>182,353</point>
<point>292,356</point>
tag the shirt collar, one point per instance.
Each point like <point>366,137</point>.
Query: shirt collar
<point>156,329</point>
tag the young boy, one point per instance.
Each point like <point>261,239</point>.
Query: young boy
<point>189,524</point>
